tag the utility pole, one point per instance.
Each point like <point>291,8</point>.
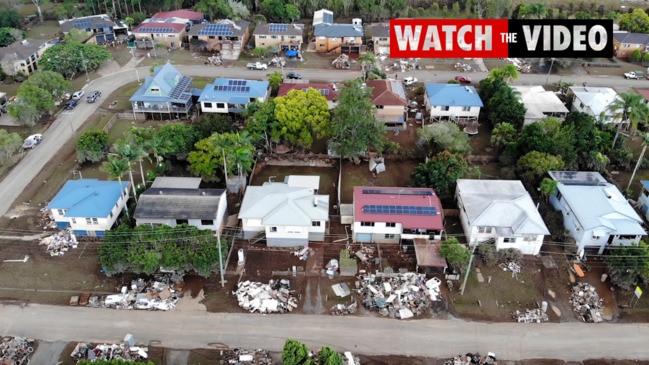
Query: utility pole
<point>468,268</point>
<point>218,238</point>
<point>85,65</point>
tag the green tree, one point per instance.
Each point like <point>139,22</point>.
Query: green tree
<point>238,151</point>
<point>507,73</point>
<point>631,108</point>
<point>10,144</point>
<point>456,253</point>
<point>9,18</point>
<point>131,152</point>
<point>92,146</point>
<point>7,36</point>
<point>503,134</point>
<point>76,35</point>
<point>260,52</point>
<point>116,168</point>
<point>441,173</point>
<point>210,123</point>
<point>445,136</point>
<point>206,160</point>
<point>71,59</point>
<point>367,62</point>
<point>355,128</point>
<point>180,138</point>
<point>548,187</point>
<point>295,353</point>
<point>635,56</point>
<point>505,107</point>
<point>260,119</point>
<point>645,58</point>
<point>275,79</point>
<point>534,164</point>
<point>216,9</point>
<point>635,22</point>
<point>292,12</point>
<point>301,116</point>
<point>52,82</point>
<point>274,10</point>
<point>327,356</point>
<point>628,264</point>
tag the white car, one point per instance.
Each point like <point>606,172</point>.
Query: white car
<point>32,141</point>
<point>409,80</point>
<point>78,95</point>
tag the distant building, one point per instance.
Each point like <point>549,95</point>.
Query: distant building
<point>100,28</point>
<point>283,36</point>
<point>170,35</point>
<point>624,43</point>
<point>224,35</point>
<point>389,98</point>
<point>381,38</point>
<point>540,103</point>
<point>23,56</point>
<point>337,38</point>
<point>595,101</point>
<point>232,95</point>
<point>452,102</point>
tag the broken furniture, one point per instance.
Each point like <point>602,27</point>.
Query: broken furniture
<point>530,316</point>
<point>274,297</point>
<point>125,351</point>
<point>60,242</point>
<point>161,294</point>
<point>586,302</point>
<point>16,350</point>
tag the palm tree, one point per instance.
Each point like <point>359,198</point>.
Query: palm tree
<point>645,141</point>
<point>131,152</point>
<point>116,169</point>
<point>508,73</point>
<point>538,10</point>
<point>631,108</point>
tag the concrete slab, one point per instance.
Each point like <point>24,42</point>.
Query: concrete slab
<point>48,351</point>
<point>480,277</point>
<point>556,310</point>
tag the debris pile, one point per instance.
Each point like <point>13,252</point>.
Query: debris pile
<point>402,295</point>
<point>473,359</point>
<point>530,316</point>
<point>60,242</point>
<point>586,302</point>
<point>343,310</point>
<point>86,351</point>
<point>365,254</point>
<point>154,295</point>
<point>245,357</point>
<point>302,253</point>
<point>512,266</point>
<point>16,350</point>
<point>274,297</point>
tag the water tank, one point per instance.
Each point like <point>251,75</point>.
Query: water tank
<point>240,253</point>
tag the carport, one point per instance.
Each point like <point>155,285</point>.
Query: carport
<point>428,254</point>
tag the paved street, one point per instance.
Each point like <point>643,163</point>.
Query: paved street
<point>368,335</point>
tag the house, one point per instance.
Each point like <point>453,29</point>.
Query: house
<point>100,28</point>
<point>232,95</point>
<point>381,38</point>
<point>337,38</point>
<point>644,93</point>
<point>173,201</point>
<point>595,213</point>
<point>90,207</point>
<point>284,214</point>
<point>327,90</point>
<point>183,16</point>
<point>389,98</point>
<point>225,35</point>
<point>153,32</point>
<point>392,215</point>
<point>625,43</point>
<point>283,36</point>
<point>643,199</point>
<point>595,102</point>
<point>22,56</point>
<point>540,103</point>
<point>452,101</point>
<point>166,94</point>
<point>500,212</point>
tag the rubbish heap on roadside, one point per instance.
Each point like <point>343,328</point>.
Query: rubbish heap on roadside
<point>16,350</point>
<point>86,351</point>
<point>530,316</point>
<point>274,297</point>
<point>343,309</point>
<point>60,242</point>
<point>247,357</point>
<point>402,295</point>
<point>161,294</point>
<point>586,302</point>
<point>473,359</point>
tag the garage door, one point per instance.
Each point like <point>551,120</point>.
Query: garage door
<point>363,237</point>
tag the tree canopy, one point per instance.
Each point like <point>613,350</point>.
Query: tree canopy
<point>628,265</point>
<point>10,144</point>
<point>73,58</point>
<point>9,18</point>
<point>455,252</point>
<point>636,21</point>
<point>441,173</point>
<point>179,138</point>
<point>445,136</point>
<point>301,117</point>
<point>92,146</point>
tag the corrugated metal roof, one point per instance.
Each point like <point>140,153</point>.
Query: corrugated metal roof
<point>398,196</point>
<point>220,91</point>
<point>173,86</point>
<point>88,198</point>
<point>173,203</point>
<point>452,95</point>
<point>338,30</point>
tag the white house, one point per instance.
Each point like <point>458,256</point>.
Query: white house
<point>594,101</point>
<point>595,213</point>
<point>500,211</point>
<point>173,201</point>
<point>540,103</point>
<point>643,199</point>
<point>232,95</point>
<point>286,215</point>
<point>90,207</point>
<point>452,101</point>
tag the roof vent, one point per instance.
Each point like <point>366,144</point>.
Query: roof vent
<point>160,192</point>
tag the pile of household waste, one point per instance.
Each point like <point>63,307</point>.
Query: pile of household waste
<point>16,350</point>
<point>530,316</point>
<point>152,295</point>
<point>60,242</point>
<point>124,351</point>
<point>402,295</point>
<point>245,357</point>
<point>586,302</point>
<point>344,309</point>
<point>274,297</point>
<point>473,359</point>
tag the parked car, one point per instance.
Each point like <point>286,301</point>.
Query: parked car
<point>257,66</point>
<point>636,75</point>
<point>32,141</point>
<point>463,79</point>
<point>78,94</point>
<point>409,80</point>
<point>293,76</point>
<point>71,104</point>
<point>93,96</point>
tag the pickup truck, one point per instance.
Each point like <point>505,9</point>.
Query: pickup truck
<point>257,66</point>
<point>637,75</point>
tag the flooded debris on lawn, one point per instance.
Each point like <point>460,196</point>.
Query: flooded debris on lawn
<point>274,297</point>
<point>153,295</point>
<point>341,290</point>
<point>302,253</point>
<point>60,242</point>
<point>530,316</point>
<point>512,266</point>
<point>16,350</point>
<point>586,302</point>
<point>343,310</point>
<point>473,359</point>
<point>402,295</point>
<point>245,357</point>
<point>125,351</point>
<point>365,254</point>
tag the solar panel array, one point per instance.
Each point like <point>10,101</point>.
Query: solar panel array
<point>83,23</point>
<point>156,30</point>
<point>232,88</point>
<point>238,82</point>
<point>397,192</point>
<point>215,29</point>
<point>180,88</point>
<point>399,209</point>
<point>278,27</point>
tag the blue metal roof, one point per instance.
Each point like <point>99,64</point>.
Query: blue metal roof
<point>452,95</point>
<point>645,183</point>
<point>88,198</point>
<point>172,86</point>
<point>234,91</point>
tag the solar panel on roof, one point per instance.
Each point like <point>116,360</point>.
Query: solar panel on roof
<point>397,192</point>
<point>399,209</point>
<point>83,23</point>
<point>215,29</point>
<point>232,88</point>
<point>278,27</point>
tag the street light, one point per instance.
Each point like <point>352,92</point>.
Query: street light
<point>549,71</point>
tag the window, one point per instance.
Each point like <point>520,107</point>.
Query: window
<point>529,238</point>
<point>273,37</point>
<point>315,223</point>
<point>645,192</point>
<point>445,108</point>
<point>155,90</point>
<point>389,236</point>
<point>627,237</point>
<point>466,108</point>
<point>207,222</point>
<point>484,229</point>
<point>220,105</point>
<point>558,195</point>
<point>74,221</point>
<point>379,107</point>
<point>61,212</point>
<point>212,37</point>
<point>273,229</point>
<point>367,224</point>
<point>171,35</point>
<point>111,214</point>
<point>626,45</point>
<point>596,237</point>
<point>509,240</point>
<point>391,224</point>
<point>95,221</point>
<point>182,221</point>
<point>262,37</point>
<point>88,221</point>
<point>207,105</point>
<point>382,39</point>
